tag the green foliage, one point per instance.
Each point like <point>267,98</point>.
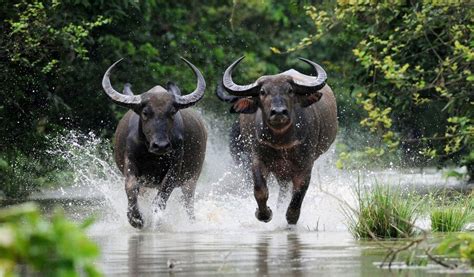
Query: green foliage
<point>55,247</point>
<point>382,212</point>
<point>400,71</point>
<point>57,52</point>
<point>413,63</point>
<point>458,246</point>
<point>415,66</point>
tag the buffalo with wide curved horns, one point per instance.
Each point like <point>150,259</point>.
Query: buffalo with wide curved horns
<point>159,142</point>
<point>286,122</point>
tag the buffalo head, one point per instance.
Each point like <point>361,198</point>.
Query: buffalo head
<point>275,95</point>
<point>156,108</point>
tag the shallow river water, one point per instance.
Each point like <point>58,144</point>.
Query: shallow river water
<point>225,238</point>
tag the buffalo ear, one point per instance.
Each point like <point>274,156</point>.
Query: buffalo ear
<point>308,100</point>
<point>173,88</point>
<point>244,105</point>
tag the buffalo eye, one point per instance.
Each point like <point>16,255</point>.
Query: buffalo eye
<point>262,92</point>
<point>290,91</point>
<point>145,115</point>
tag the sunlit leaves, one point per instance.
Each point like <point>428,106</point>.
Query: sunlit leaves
<point>416,57</point>
<point>35,36</point>
<point>322,24</point>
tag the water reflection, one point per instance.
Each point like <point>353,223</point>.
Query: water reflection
<point>262,255</point>
<point>294,253</point>
<point>287,253</point>
<point>134,243</point>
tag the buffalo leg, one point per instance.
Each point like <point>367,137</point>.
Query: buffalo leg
<point>132,188</point>
<point>159,202</point>
<point>283,192</point>
<point>300,186</point>
<point>188,193</point>
<point>263,212</point>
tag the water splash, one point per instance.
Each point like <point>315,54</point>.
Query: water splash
<point>95,176</point>
<point>224,201</point>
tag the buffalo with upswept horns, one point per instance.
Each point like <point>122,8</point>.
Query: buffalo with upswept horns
<point>286,122</point>
<point>159,143</point>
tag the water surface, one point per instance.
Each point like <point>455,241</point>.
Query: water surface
<point>225,238</point>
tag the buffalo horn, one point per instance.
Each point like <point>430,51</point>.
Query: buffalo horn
<point>238,90</point>
<point>308,87</point>
<point>129,101</point>
<point>191,99</point>
<point>220,92</point>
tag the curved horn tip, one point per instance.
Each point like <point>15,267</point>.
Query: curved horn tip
<point>192,66</point>
<point>303,59</point>
<point>306,60</point>
<point>235,63</point>
<point>119,60</point>
<point>239,60</point>
<point>112,66</point>
<point>182,58</point>
<point>315,65</point>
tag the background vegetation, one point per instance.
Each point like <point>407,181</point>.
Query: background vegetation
<point>401,71</point>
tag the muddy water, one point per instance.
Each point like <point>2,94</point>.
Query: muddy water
<point>225,238</point>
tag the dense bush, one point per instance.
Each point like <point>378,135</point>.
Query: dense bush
<point>56,52</point>
<point>401,71</point>
<point>411,71</point>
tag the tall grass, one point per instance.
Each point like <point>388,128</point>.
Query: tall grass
<point>382,212</point>
<point>449,219</point>
<point>451,215</point>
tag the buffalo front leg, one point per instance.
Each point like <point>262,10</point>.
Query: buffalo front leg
<point>283,193</point>
<point>188,194</point>
<point>133,213</point>
<point>300,186</point>
<point>260,190</point>
<point>167,185</point>
<point>159,202</point>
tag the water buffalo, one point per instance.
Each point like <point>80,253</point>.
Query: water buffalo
<point>159,143</point>
<point>286,122</point>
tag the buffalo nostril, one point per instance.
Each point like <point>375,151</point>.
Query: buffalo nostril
<point>165,145</point>
<point>278,111</point>
<point>155,146</point>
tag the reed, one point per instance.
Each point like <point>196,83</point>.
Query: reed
<point>451,215</point>
<point>382,213</point>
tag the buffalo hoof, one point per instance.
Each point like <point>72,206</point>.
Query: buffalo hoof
<point>135,218</point>
<point>264,216</point>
